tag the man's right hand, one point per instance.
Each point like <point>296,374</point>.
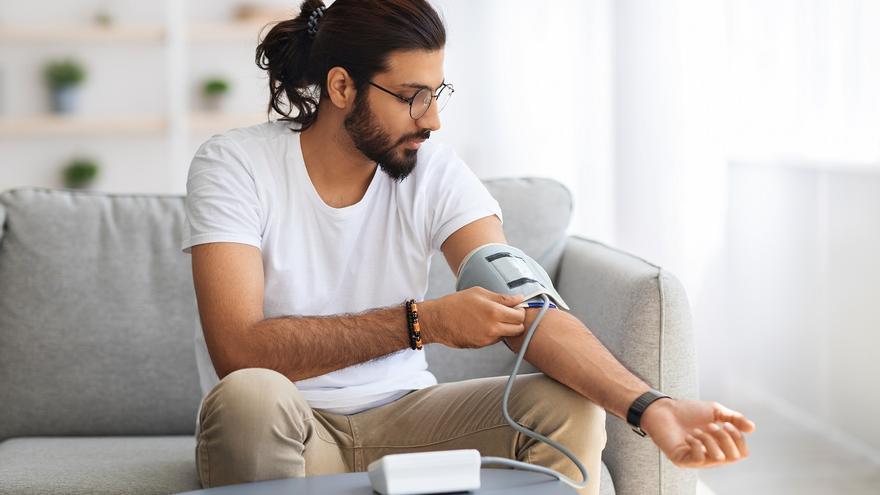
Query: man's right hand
<point>471,318</point>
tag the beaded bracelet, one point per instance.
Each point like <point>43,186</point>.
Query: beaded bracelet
<point>412,320</point>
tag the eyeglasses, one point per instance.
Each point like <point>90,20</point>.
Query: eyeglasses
<point>421,101</point>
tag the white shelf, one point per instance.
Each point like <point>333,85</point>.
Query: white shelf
<point>81,33</point>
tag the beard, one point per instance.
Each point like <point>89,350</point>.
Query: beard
<point>371,140</point>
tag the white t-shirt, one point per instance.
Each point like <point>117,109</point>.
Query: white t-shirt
<point>250,186</point>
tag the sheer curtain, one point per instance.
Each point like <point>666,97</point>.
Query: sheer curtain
<point>803,145</point>
<point>643,108</point>
<point>804,80</point>
<point>533,96</point>
<point>616,99</point>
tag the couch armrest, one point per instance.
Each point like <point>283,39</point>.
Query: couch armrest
<point>2,221</point>
<point>640,312</point>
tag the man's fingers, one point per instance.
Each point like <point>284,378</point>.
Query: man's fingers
<point>509,300</point>
<point>736,418</point>
<point>512,329</point>
<point>738,438</point>
<point>714,452</point>
<point>512,315</point>
<point>725,441</point>
<point>698,451</point>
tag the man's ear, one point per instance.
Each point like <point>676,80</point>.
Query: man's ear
<point>340,87</point>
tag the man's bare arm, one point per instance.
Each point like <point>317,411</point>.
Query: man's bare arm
<point>308,346</point>
<point>564,349</point>
<point>692,433</point>
<point>228,279</point>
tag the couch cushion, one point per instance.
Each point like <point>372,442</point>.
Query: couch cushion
<point>97,313</point>
<point>110,465</point>
<point>536,212</point>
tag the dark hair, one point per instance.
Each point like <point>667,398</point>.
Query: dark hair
<point>357,35</point>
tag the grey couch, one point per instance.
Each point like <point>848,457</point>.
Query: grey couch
<point>98,383</point>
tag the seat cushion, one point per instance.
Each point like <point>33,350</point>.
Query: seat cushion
<point>98,465</point>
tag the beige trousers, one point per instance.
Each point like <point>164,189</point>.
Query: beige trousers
<point>256,425</point>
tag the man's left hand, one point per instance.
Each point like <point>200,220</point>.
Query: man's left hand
<point>697,434</point>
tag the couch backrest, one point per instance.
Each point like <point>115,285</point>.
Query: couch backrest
<point>97,308</point>
<point>96,315</point>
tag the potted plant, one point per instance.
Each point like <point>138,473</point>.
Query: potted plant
<point>103,18</point>
<point>64,78</point>
<point>214,91</point>
<point>80,173</point>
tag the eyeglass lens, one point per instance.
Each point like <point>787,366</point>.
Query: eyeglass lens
<point>422,101</point>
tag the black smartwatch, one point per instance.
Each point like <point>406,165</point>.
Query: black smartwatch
<point>634,415</point>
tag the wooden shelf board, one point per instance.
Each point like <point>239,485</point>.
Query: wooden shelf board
<point>196,32</point>
<point>76,125</point>
<point>226,31</point>
<point>79,33</point>
<point>210,121</point>
<point>41,125</point>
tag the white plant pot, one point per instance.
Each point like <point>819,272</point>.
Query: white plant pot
<point>65,99</point>
<point>214,103</point>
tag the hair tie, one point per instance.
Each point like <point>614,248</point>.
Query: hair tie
<point>313,20</point>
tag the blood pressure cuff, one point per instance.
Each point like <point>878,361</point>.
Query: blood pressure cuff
<point>507,270</point>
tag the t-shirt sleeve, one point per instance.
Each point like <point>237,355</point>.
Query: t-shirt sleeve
<point>457,198</point>
<point>221,202</point>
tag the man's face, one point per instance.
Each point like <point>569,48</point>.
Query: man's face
<point>380,125</point>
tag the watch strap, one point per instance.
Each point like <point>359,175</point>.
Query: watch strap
<point>634,415</point>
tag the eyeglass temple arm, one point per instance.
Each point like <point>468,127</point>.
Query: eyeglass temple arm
<point>389,92</point>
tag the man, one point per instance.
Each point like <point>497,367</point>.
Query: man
<point>308,233</point>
